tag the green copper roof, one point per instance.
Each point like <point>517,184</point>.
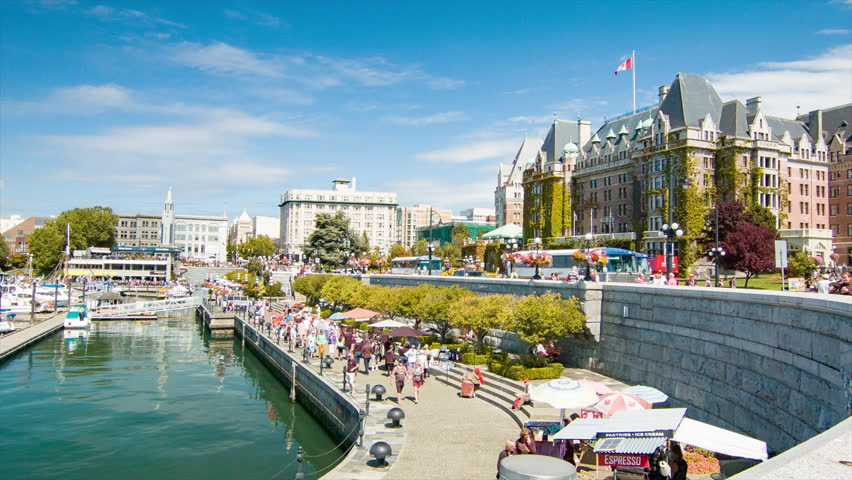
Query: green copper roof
<point>623,130</point>
<point>570,147</point>
<point>595,138</point>
<point>610,134</point>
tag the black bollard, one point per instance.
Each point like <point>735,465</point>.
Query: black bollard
<point>300,458</point>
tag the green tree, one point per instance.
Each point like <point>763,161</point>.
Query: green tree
<point>90,227</point>
<point>764,217</point>
<point>545,318</point>
<point>310,286</point>
<point>230,251</point>
<point>329,237</point>
<point>419,249</point>
<point>341,291</point>
<point>254,266</point>
<point>362,244</point>
<point>448,251</point>
<point>480,314</point>
<point>800,265</point>
<point>434,308</point>
<point>398,250</point>
<point>459,234</point>
<point>380,299</point>
<point>259,246</point>
<point>5,257</point>
<point>408,300</point>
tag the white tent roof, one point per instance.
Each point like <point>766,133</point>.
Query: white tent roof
<point>510,230</point>
<point>387,324</point>
<point>715,439</point>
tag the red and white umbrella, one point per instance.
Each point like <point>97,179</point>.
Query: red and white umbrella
<point>616,402</point>
<point>598,387</point>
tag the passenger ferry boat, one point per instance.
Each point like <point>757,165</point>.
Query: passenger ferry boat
<point>77,317</point>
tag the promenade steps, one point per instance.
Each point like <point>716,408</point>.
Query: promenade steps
<point>498,391</point>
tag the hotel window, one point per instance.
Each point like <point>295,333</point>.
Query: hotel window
<point>849,190</point>
<point>849,230</point>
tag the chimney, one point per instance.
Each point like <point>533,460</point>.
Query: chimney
<point>664,90</point>
<point>584,131</point>
<point>815,125</point>
<point>753,104</point>
<point>352,185</point>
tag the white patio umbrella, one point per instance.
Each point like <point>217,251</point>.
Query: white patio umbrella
<point>564,394</point>
<point>387,324</point>
<point>649,394</point>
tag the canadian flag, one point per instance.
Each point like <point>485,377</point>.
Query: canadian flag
<point>628,64</point>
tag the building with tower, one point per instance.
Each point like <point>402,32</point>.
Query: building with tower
<point>509,194</point>
<point>409,219</point>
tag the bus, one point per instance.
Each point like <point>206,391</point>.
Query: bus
<point>619,260</point>
<point>415,265</point>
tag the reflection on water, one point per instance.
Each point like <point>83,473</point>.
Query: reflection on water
<point>149,400</point>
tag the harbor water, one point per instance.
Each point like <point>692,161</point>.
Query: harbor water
<point>143,400</point>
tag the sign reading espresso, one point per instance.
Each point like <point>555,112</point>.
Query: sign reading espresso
<point>623,460</point>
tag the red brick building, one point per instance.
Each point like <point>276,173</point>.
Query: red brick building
<point>17,237</point>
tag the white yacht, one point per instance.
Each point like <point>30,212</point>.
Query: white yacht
<point>77,317</point>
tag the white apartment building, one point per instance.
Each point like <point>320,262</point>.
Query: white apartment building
<point>202,237</point>
<point>478,215</point>
<point>370,212</point>
<point>409,219</point>
<point>269,226</point>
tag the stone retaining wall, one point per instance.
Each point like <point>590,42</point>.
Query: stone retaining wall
<point>767,364</point>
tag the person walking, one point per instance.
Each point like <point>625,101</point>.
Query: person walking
<point>322,343</point>
<point>351,370</point>
<point>417,380</point>
<point>390,359</point>
<point>398,376</point>
<point>367,355</point>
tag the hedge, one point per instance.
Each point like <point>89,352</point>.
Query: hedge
<point>519,372</point>
<point>463,347</point>
<point>471,358</point>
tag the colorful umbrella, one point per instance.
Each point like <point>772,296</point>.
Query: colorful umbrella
<point>616,402</point>
<point>598,387</point>
<point>649,394</point>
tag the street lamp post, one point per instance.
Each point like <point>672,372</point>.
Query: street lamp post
<point>429,248</point>
<point>588,276</point>
<point>717,252</point>
<point>671,232</point>
<point>511,245</point>
<point>537,243</point>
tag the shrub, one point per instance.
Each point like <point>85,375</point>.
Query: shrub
<point>512,369</point>
<point>325,312</point>
<point>349,322</point>
<point>470,358</point>
<point>534,361</point>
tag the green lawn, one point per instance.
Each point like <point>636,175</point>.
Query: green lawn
<point>769,281</point>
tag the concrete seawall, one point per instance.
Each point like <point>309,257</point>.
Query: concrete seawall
<point>337,413</point>
<point>767,364</point>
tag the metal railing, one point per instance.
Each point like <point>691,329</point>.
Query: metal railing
<point>138,308</point>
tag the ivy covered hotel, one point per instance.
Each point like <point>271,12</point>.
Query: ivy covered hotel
<point>691,149</point>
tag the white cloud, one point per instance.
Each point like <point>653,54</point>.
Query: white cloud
<point>107,13</point>
<point>444,117</point>
<point>261,19</point>
<point>445,83</point>
<point>532,119</point>
<point>235,14</point>
<point>109,95</point>
<point>220,57</point>
<point>520,91</point>
<point>820,82</point>
<point>269,21</point>
<point>444,191</point>
<point>472,152</point>
<point>378,72</point>
<point>834,31</point>
<point>283,95</point>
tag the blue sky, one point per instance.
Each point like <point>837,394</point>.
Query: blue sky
<point>232,103</point>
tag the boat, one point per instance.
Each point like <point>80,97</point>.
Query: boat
<point>77,317</point>
<point>178,291</point>
<point>7,323</point>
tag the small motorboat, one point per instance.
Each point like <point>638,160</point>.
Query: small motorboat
<point>77,317</point>
<point>7,323</point>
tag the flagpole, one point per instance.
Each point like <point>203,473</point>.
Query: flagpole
<point>633,56</point>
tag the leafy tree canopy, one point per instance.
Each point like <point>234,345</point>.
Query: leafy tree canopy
<point>763,217</point>
<point>434,307</point>
<point>90,227</point>
<point>800,264</point>
<point>480,314</point>
<point>419,249</point>
<point>749,249</point>
<point>5,257</point>
<point>545,318</point>
<point>329,238</point>
<point>398,250</point>
<point>459,234</point>
<point>259,246</point>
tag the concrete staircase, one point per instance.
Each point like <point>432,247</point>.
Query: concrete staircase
<point>498,391</point>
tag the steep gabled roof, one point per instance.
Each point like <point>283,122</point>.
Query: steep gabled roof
<point>529,148</point>
<point>690,98</point>
<point>733,122</point>
<point>560,133</point>
<point>780,125</point>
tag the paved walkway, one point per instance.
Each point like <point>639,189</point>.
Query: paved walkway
<point>28,333</point>
<point>443,436</point>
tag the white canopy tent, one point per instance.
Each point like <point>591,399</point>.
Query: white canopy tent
<point>719,440</point>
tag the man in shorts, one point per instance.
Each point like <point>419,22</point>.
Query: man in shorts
<point>351,370</point>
